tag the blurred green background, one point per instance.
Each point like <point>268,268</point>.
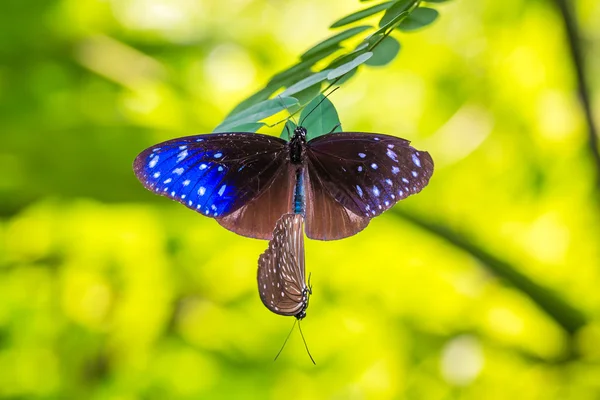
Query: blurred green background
<point>485,285</point>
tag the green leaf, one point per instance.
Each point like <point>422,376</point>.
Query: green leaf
<point>256,113</point>
<point>257,97</point>
<point>302,68</point>
<point>419,18</point>
<point>342,69</point>
<point>384,52</point>
<point>396,11</point>
<point>243,127</point>
<point>288,130</point>
<point>436,1</point>
<point>346,77</point>
<point>357,16</point>
<point>305,83</point>
<point>334,40</point>
<point>307,95</point>
<point>319,117</point>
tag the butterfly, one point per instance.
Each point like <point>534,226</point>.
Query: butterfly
<point>281,273</point>
<point>247,181</point>
<point>281,269</point>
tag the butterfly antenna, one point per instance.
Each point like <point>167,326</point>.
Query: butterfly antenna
<point>286,339</point>
<point>288,131</point>
<point>334,128</point>
<point>309,285</point>
<point>305,345</point>
<point>285,119</point>
<point>317,106</point>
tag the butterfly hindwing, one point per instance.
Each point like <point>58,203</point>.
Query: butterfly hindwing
<point>257,217</point>
<point>214,174</point>
<point>326,218</point>
<point>281,268</point>
<point>364,173</point>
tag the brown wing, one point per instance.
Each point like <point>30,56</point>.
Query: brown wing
<point>257,219</point>
<point>326,218</point>
<point>281,268</point>
<point>355,176</point>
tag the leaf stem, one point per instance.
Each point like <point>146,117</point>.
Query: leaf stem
<point>564,314</point>
<point>574,38</point>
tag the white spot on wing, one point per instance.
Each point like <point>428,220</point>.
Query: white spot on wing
<point>392,155</point>
<point>218,155</point>
<point>376,191</point>
<point>222,190</point>
<point>186,182</point>
<point>395,170</point>
<point>374,166</point>
<point>202,166</point>
<point>359,191</point>
<point>404,180</point>
<point>362,155</point>
<point>153,162</point>
<point>416,160</point>
<point>182,155</point>
<point>156,174</point>
<point>202,190</point>
<point>414,173</point>
<point>388,181</point>
<point>168,180</point>
<point>178,171</point>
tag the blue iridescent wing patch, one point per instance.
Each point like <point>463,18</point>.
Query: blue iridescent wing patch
<point>213,174</point>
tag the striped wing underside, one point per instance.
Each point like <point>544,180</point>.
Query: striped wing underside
<point>281,272</point>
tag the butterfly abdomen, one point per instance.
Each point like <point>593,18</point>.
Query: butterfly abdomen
<point>299,193</point>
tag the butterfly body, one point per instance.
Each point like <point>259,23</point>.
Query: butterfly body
<point>247,181</point>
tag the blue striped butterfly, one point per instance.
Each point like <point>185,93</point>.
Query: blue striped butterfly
<point>247,181</point>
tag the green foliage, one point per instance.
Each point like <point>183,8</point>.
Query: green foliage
<point>419,18</point>
<point>357,16</point>
<point>376,49</point>
<point>288,130</point>
<point>395,13</point>
<point>254,113</point>
<point>384,53</point>
<point>110,292</point>
<point>349,66</point>
<point>320,117</point>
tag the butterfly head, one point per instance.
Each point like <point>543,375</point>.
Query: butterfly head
<point>306,292</point>
<point>300,133</point>
<point>297,144</point>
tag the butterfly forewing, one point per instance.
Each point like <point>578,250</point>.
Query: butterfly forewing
<point>281,268</point>
<point>217,174</point>
<point>365,173</point>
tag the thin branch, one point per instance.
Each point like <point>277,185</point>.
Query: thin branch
<point>574,38</point>
<point>563,313</point>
